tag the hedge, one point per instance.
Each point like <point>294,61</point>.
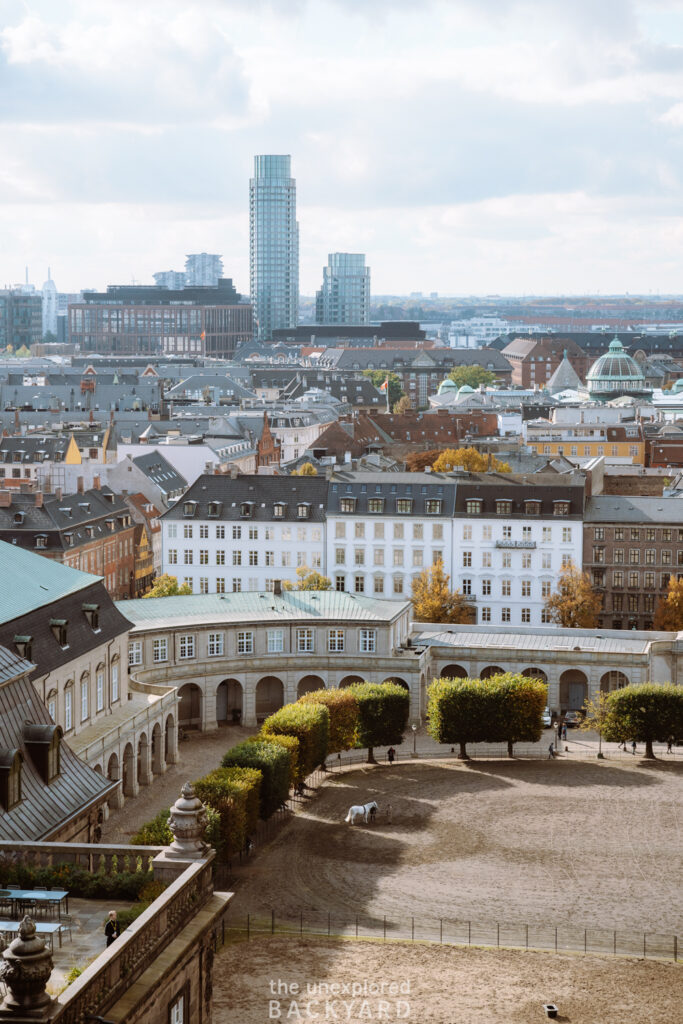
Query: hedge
<point>383,710</point>
<point>293,748</point>
<point>273,761</point>
<point>117,885</point>
<point>155,832</point>
<point>310,723</point>
<point>343,709</point>
<point>234,794</point>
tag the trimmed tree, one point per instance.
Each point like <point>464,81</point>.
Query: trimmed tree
<point>653,711</point>
<point>310,723</point>
<point>234,794</point>
<point>574,604</point>
<point>383,710</point>
<point>273,761</point>
<point>343,708</point>
<point>522,701</point>
<point>464,711</point>
<point>434,601</point>
<point>473,375</point>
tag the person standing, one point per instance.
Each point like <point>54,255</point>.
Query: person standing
<point>112,928</point>
<point>633,748</point>
<point>389,813</point>
<point>391,754</point>
<point>670,745</point>
<point>551,751</point>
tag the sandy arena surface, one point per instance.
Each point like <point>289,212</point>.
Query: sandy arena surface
<point>589,844</point>
<point>447,985</point>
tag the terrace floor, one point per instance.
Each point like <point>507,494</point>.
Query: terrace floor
<point>87,941</point>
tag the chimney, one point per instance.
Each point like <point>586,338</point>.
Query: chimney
<point>329,470</point>
<point>80,485</point>
<point>277,587</point>
<point>58,493</point>
<point>96,483</point>
<point>39,499</point>
<point>5,499</point>
<point>234,472</point>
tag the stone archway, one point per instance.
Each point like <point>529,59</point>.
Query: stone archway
<point>190,706</point>
<point>308,684</point>
<point>350,680</point>
<point>144,772</point>
<point>170,741</point>
<point>129,771</point>
<point>398,681</point>
<point>536,673</point>
<point>613,680</point>
<point>491,670</point>
<point>453,672</point>
<point>98,769</point>
<point>573,689</point>
<point>113,768</point>
<point>270,696</point>
<point>158,765</point>
<point>229,702</point>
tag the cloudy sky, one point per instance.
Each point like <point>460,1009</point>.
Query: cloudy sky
<point>467,146</point>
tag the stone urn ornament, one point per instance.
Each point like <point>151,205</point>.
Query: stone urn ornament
<point>188,822</point>
<point>25,968</point>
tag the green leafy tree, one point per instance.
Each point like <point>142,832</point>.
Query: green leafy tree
<point>383,710</point>
<point>597,717</point>
<point>306,469</point>
<point>652,711</point>
<point>469,459</point>
<point>434,601</point>
<point>521,704</point>
<point>308,579</point>
<point>473,376</point>
<point>574,604</point>
<point>273,761</point>
<point>463,711</point>
<point>343,709</point>
<point>669,611</point>
<point>395,383</point>
<point>310,723</point>
<point>167,586</point>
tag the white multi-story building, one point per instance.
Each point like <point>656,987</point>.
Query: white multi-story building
<point>229,535</point>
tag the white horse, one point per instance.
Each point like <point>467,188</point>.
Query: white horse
<point>361,811</point>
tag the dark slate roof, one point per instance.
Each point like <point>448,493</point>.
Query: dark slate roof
<point>621,509</point>
<point>46,652</point>
<point>262,491</point>
<point>43,809</point>
<point>420,487</point>
<point>546,488</point>
<point>160,471</point>
<point>401,359</point>
<point>32,448</point>
<point>75,516</point>
<point>12,665</point>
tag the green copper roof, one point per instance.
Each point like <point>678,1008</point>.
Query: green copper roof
<point>447,385</point>
<point>31,581</point>
<point>253,607</point>
<point>613,368</point>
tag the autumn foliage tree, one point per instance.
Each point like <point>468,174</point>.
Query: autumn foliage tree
<point>434,601</point>
<point>167,586</point>
<point>574,604</point>
<point>306,469</point>
<point>468,458</point>
<point>308,579</point>
<point>669,612</point>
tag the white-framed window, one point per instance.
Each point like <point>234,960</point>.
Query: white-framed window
<point>398,556</point>
<point>160,649</point>
<point>236,532</point>
<point>485,614</point>
<point>52,706</point>
<point>187,530</point>
<point>220,556</point>
<point>379,584</point>
<point>335,640</point>
<point>505,588</point>
<point>526,561</point>
<point>245,641</point>
<point>437,531</point>
<point>547,534</point>
<point>378,532</point>
<point>505,615</point>
<point>220,584</point>
<point>204,556</point>
<point>339,556</point>
<point>189,581</point>
<point>186,645</point>
<point>304,640</point>
<point>526,588</point>
<point>172,556</point>
<point>340,531</point>
<point>467,559</point>
<point>220,531</point>
<point>526,615</point>
<point>418,558</point>
<point>203,584</point>
<point>566,534</point>
<point>237,558</point>
<point>115,681</point>
<point>399,531</point>
<point>176,1011</point>
<point>359,556</point>
<point>203,531</point>
<point>359,530</point>
<point>398,584</point>
<point>85,686</point>
<point>188,556</point>
<point>276,641</point>
<point>368,641</point>
<point>486,560</point>
<point>418,531</point>
<point>135,652</point>
<point>99,689</point>
<point>301,558</point>
<point>68,708</point>
<point>270,558</point>
<point>215,645</point>
<point>286,559</point>
<point>172,530</point>
<point>467,531</point>
<point>487,532</point>
<point>506,560</point>
<point>378,556</point>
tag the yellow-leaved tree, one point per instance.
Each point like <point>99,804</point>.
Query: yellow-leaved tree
<point>574,604</point>
<point>308,579</point>
<point>468,458</point>
<point>167,586</point>
<point>306,469</point>
<point>669,612</point>
<point>434,601</point>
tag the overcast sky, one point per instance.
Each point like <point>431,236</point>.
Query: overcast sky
<point>467,147</point>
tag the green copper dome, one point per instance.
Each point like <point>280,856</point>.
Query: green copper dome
<point>466,390</point>
<point>615,372</point>
<point>447,386</point>
<point>677,386</point>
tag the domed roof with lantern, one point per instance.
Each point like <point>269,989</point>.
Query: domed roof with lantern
<point>616,373</point>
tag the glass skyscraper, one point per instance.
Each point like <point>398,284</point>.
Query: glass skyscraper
<point>273,245</point>
<point>345,295</point>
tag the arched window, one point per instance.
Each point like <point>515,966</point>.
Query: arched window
<point>52,704</point>
<point>115,678</point>
<point>99,687</point>
<point>69,706</point>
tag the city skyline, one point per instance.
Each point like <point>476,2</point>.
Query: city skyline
<point>533,148</point>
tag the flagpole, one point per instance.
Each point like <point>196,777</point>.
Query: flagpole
<point>387,387</point>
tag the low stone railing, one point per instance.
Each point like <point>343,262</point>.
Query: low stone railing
<point>90,857</point>
<point>105,980</point>
<point>144,717</point>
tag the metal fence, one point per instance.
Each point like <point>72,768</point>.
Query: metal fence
<point>557,938</point>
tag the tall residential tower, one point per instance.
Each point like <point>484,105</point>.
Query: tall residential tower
<point>273,245</point>
<point>345,295</point>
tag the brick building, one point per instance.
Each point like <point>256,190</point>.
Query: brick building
<point>631,547</point>
<point>535,359</point>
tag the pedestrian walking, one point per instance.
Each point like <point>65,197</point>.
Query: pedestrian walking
<point>551,751</point>
<point>389,813</point>
<point>564,731</point>
<point>391,754</point>
<point>633,748</point>
<point>112,928</point>
<point>670,745</point>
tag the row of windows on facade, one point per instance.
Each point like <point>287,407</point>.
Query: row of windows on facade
<point>84,687</point>
<point>666,534</point>
<point>235,531</point>
<point>245,643</point>
<point>398,558</point>
<point>633,580</point>
<point>546,449</point>
<point>246,509</point>
<point>311,559</point>
<point>473,506</point>
<point>653,556</point>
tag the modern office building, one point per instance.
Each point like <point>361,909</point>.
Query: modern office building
<point>21,318</point>
<point>273,245</point>
<point>345,295</point>
<point>151,321</point>
<point>203,268</point>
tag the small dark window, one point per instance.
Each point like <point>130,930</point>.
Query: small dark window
<point>92,614</point>
<point>24,646</point>
<point>58,627</point>
<point>10,778</point>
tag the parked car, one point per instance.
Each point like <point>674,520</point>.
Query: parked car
<point>546,718</point>
<point>572,719</point>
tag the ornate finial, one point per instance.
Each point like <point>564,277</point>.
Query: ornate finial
<point>26,968</point>
<point>27,929</point>
<point>187,791</point>
<point>188,822</point>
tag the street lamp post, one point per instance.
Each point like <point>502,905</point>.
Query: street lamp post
<point>414,728</point>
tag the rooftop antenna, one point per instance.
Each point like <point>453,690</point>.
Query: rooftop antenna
<point>26,275</point>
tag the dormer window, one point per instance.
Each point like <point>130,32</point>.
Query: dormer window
<point>69,538</point>
<point>532,507</point>
<point>503,507</point>
<point>303,510</point>
<point>279,509</point>
<point>189,509</point>
<point>561,508</point>
<point>92,614</point>
<point>246,509</point>
<point>10,778</point>
<point>41,540</point>
<point>58,627</point>
<point>19,518</point>
<point>90,531</point>
<point>404,506</point>
<point>66,512</point>
<point>215,508</point>
<point>375,505</point>
<point>85,505</point>
<point>43,743</point>
<point>433,506</point>
<point>347,504</point>
<point>473,506</point>
<point>111,524</point>
<point>24,646</point>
